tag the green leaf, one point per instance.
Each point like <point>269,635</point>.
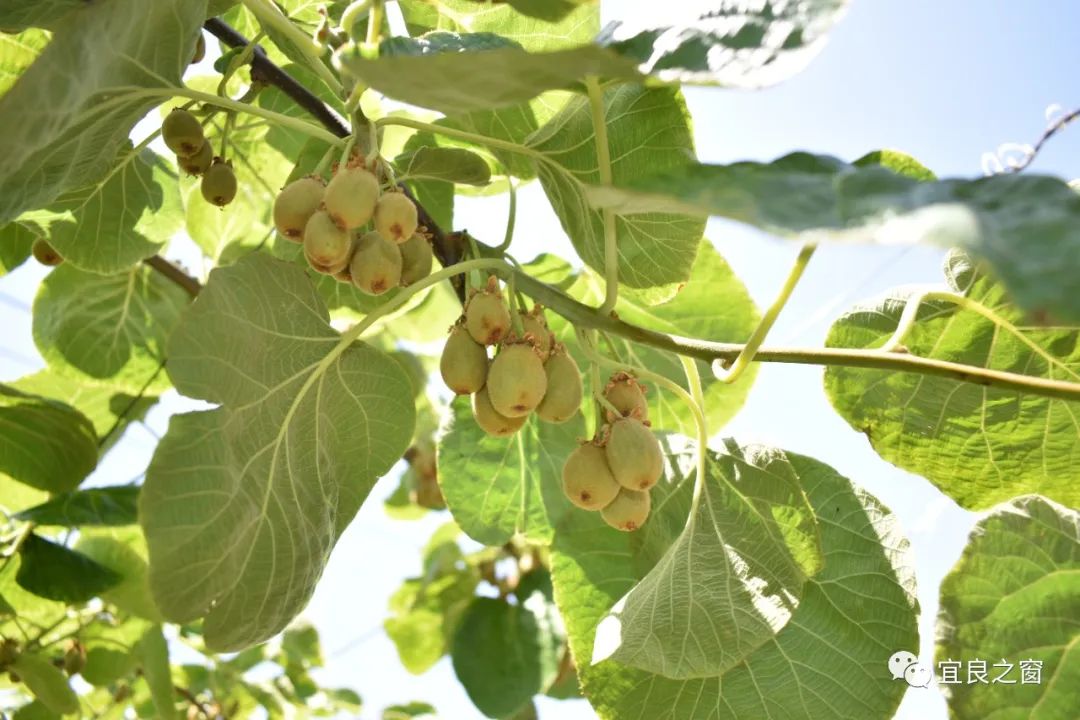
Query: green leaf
<point>1026,227</point>
<point>734,43</point>
<point>95,506</point>
<point>648,130</point>
<point>456,73</point>
<point>18,52</point>
<point>731,580</point>
<point>122,550</point>
<point>301,644</point>
<point>54,572</point>
<point>900,163</point>
<point>44,443</point>
<point>532,33</point>
<point>979,445</point>
<point>28,607</point>
<point>121,218</point>
<point>111,653</point>
<point>17,15</point>
<point>107,327</point>
<point>109,408</point>
<point>16,240</point>
<point>414,709</point>
<point>693,312</point>
<point>243,503</point>
<point>69,114</point>
<point>35,711</point>
<point>504,654</point>
<point>153,651</point>
<point>1013,598</point>
<point>854,613</point>
<point>47,683</point>
<point>450,164</point>
<point>496,487</point>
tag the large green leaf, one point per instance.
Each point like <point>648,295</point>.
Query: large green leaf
<point>52,571</point>
<point>69,114</point>
<point>731,580</point>
<point>153,651</point>
<point>117,220</point>
<point>734,43</point>
<point>504,654</point>
<point>122,550</point>
<point>829,661</point>
<point>109,408</point>
<point>1026,226</point>
<point>107,327</point>
<point>1014,597</point>
<point>44,443</point>
<point>648,129</point>
<point>16,240</point>
<point>242,504</point>
<point>496,487</point>
<point>455,165</point>
<point>18,15</point>
<point>714,304</point>
<point>426,613</point>
<point>980,445</point>
<point>95,506</point>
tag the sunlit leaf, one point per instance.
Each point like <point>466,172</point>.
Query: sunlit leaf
<point>94,506</point>
<point>44,443</point>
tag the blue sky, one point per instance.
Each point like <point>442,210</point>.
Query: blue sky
<point>943,80</point>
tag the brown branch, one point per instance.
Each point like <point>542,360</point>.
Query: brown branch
<point>178,276</point>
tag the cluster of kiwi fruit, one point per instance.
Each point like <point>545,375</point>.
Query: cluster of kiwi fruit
<point>354,231</point>
<point>183,134</point>
<point>530,371</point>
<point>614,471</point>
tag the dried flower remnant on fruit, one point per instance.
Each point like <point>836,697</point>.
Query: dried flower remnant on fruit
<point>295,205</point>
<point>534,326</point>
<point>562,400</point>
<point>586,479</point>
<point>491,420</point>
<point>45,253</point>
<point>633,453</point>
<point>376,264</point>
<point>628,511</point>
<point>198,163</point>
<point>627,394</point>
<point>396,217</point>
<point>200,49</point>
<point>464,362</point>
<point>487,317</point>
<point>516,379</point>
<point>219,183</point>
<point>182,132</point>
<point>350,196</point>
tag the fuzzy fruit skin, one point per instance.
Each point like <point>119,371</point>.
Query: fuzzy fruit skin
<point>634,454</point>
<point>487,318</point>
<point>538,329</point>
<point>75,658</point>
<point>182,132</point>
<point>350,197</point>
<point>376,264</point>
<point>47,682</point>
<point>416,259</point>
<point>491,420</point>
<point>295,205</point>
<point>464,362</point>
<point>326,246</point>
<point>45,253</point>
<point>516,380</point>
<point>396,217</point>
<point>628,395</point>
<point>564,391</point>
<point>219,183</point>
<point>198,163</point>
<point>587,480</point>
<point>628,511</point>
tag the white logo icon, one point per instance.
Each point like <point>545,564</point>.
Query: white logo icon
<point>899,662</point>
<point>918,675</point>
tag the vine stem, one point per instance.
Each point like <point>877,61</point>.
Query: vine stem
<point>911,312</point>
<point>693,379</point>
<point>269,16</point>
<point>738,367</point>
<point>229,104</point>
<point>375,21</point>
<point>603,159</point>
